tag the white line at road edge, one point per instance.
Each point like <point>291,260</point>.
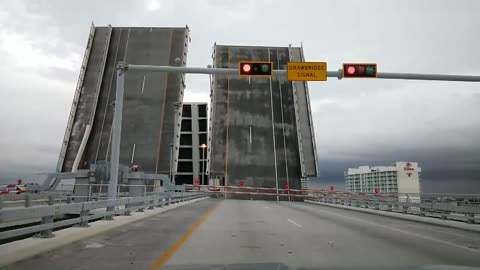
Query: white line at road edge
<point>294,223</point>
<point>402,231</point>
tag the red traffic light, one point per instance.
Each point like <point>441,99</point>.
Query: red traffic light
<point>359,70</point>
<point>246,68</point>
<point>256,68</point>
<point>351,70</point>
<point>332,188</point>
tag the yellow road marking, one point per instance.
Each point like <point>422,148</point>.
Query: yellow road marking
<point>173,249</point>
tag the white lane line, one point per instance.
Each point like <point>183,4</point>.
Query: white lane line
<point>266,207</point>
<point>133,154</point>
<point>250,134</point>
<point>143,83</point>
<point>294,223</point>
<point>401,231</point>
<point>126,46</point>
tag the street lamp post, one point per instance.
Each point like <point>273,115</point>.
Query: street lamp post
<point>203,146</point>
<point>176,131</point>
<point>171,162</point>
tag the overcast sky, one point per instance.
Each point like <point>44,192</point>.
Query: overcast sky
<point>357,122</point>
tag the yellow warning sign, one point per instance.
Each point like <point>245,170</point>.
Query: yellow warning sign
<point>307,71</point>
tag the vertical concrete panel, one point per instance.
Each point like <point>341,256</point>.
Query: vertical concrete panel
<point>143,110</point>
<point>250,106</point>
<point>259,107</point>
<point>174,94</point>
<point>309,152</point>
<point>76,97</point>
<point>218,134</point>
<point>148,115</point>
<point>87,96</point>
<point>99,133</point>
<point>289,125</point>
<point>104,115</point>
<point>253,108</point>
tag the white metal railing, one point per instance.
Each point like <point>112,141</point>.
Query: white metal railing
<point>96,195</point>
<point>86,212</point>
<point>460,207</point>
<point>68,196</point>
<point>463,207</point>
<point>253,191</point>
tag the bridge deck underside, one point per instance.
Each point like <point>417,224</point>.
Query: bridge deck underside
<point>147,114</point>
<point>254,134</point>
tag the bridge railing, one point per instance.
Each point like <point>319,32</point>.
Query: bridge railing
<point>463,207</point>
<point>84,212</point>
<point>253,191</point>
<point>29,199</point>
<point>65,194</point>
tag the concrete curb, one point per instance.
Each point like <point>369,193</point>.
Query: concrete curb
<point>27,248</point>
<point>428,220</point>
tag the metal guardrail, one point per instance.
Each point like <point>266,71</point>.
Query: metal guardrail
<point>68,196</point>
<point>29,200</point>
<point>418,204</point>
<point>121,206</point>
<point>254,191</point>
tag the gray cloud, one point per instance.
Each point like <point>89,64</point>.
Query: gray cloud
<point>357,122</point>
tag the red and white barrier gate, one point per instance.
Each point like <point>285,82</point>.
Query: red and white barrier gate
<point>251,190</point>
<point>298,193</point>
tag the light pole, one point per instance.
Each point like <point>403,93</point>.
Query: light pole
<point>176,130</point>
<point>171,163</point>
<point>203,146</point>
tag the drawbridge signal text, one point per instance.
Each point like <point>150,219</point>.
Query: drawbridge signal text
<point>307,71</point>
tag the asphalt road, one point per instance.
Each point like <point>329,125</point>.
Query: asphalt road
<point>236,232</point>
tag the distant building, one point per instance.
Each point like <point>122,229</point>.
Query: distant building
<point>404,177</point>
<point>191,162</point>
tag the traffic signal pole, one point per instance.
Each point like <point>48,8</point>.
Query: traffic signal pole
<point>122,68</point>
<point>283,73</point>
<point>428,77</point>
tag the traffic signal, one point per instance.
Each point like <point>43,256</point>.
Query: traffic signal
<point>359,70</point>
<point>256,68</point>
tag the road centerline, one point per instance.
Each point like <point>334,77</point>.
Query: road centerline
<point>160,262</point>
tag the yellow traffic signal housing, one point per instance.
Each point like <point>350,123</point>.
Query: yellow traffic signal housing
<point>255,68</point>
<point>359,70</point>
